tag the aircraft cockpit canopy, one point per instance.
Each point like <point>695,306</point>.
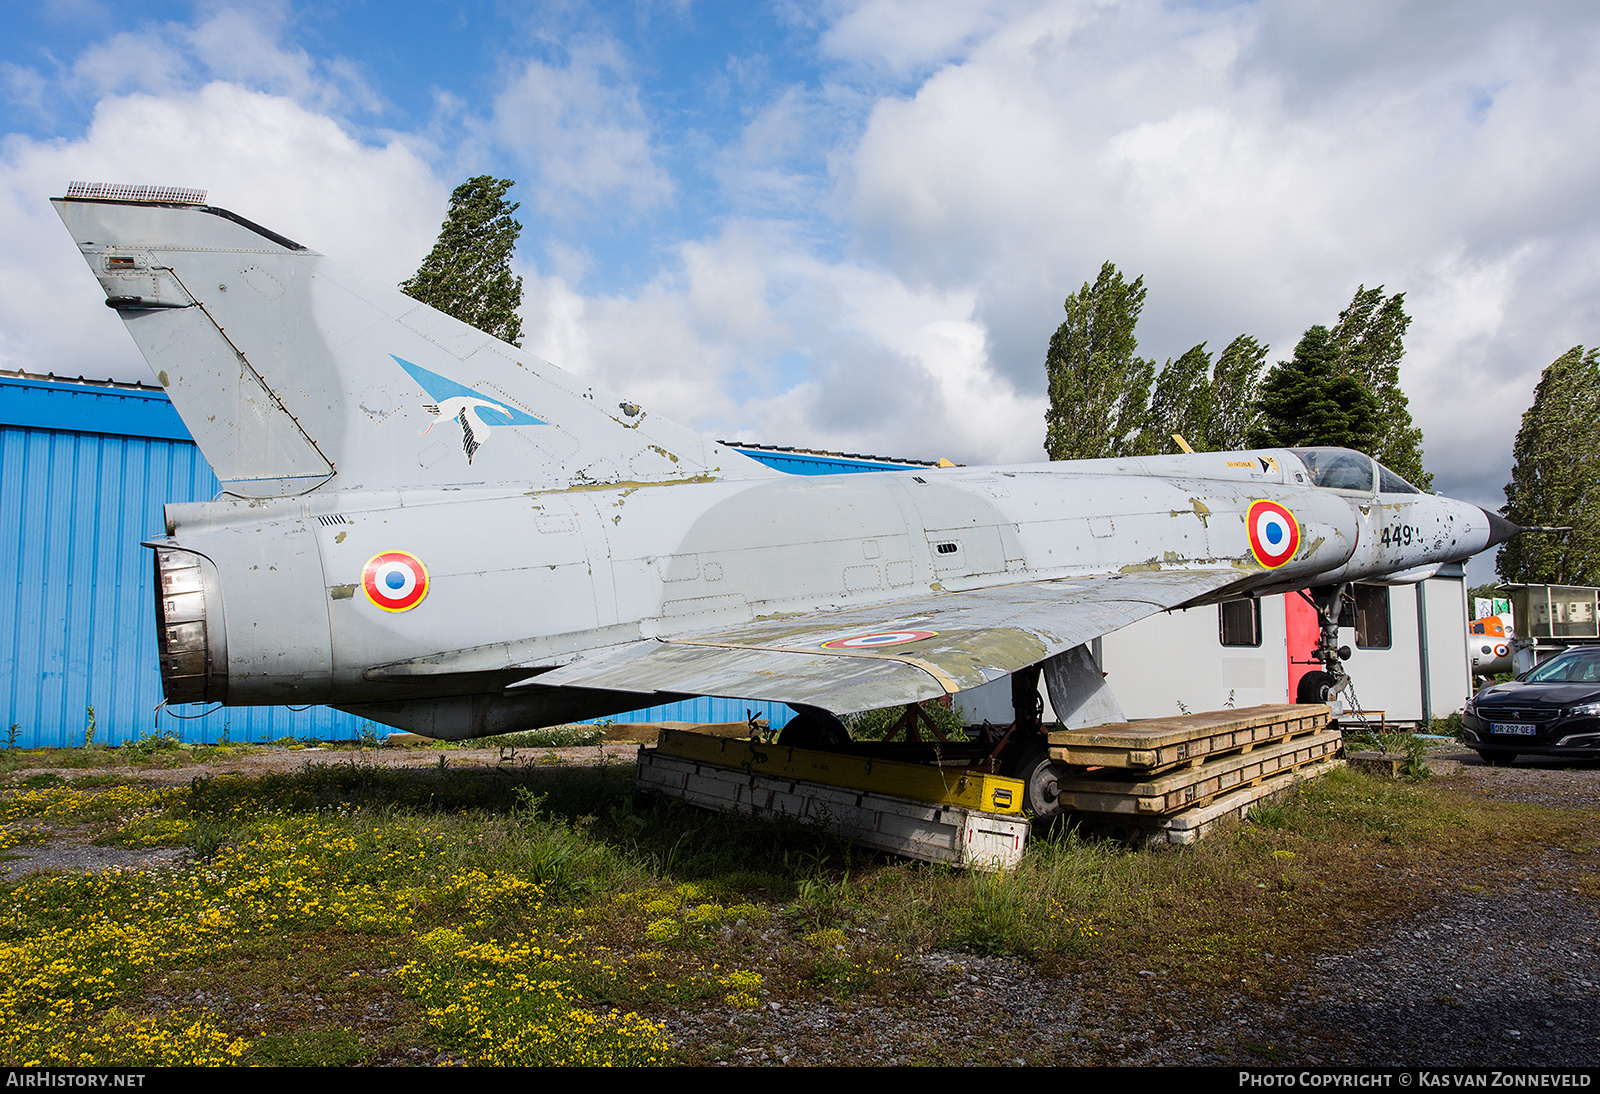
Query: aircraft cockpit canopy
<point>1346,469</point>
<point>1390,483</point>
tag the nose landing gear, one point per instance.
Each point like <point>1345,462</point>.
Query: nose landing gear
<point>1325,684</point>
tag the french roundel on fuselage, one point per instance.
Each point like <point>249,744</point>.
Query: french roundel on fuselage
<point>1274,533</point>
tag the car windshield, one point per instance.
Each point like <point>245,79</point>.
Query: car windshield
<point>1572,667</point>
<point>1338,468</point>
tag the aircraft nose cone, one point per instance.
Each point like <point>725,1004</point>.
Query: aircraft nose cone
<point>1500,529</point>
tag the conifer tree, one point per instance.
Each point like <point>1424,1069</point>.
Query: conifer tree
<point>1311,400</point>
<point>468,275</point>
<point>1555,480</point>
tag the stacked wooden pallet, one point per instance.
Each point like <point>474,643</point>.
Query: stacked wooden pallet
<point>1172,779</point>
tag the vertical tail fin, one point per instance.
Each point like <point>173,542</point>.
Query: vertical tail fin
<point>294,373</point>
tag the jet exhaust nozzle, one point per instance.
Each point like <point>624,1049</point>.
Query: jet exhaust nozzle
<point>188,636</point>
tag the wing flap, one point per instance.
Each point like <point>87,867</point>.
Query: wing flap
<point>835,683</point>
<point>871,657</point>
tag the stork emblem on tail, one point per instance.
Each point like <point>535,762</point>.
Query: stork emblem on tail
<point>474,412</point>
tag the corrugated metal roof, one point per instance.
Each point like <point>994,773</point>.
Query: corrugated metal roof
<point>126,410</point>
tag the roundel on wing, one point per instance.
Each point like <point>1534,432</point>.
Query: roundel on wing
<point>1274,533</point>
<point>880,638</point>
<point>395,580</point>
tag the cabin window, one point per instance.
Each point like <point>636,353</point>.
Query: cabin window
<point>1239,622</point>
<point>1366,608</point>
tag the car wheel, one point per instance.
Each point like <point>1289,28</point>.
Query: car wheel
<point>1315,687</point>
<point>1498,759</point>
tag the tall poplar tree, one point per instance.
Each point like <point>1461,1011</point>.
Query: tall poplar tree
<point>1370,336</point>
<point>1182,403</point>
<point>1214,409</point>
<point>468,275</point>
<point>1236,394</point>
<point>1099,389</point>
<point>1556,477</point>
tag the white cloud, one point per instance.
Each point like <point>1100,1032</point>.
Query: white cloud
<point>901,36</point>
<point>131,60</point>
<point>264,156</point>
<point>240,45</point>
<point>581,131</point>
<point>756,339</point>
<point>1255,165</point>
<point>24,87</point>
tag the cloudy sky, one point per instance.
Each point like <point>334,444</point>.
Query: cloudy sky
<point>851,225</point>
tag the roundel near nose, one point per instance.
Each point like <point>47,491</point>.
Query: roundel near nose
<point>1274,533</point>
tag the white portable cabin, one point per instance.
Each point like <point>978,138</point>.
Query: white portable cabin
<point>1408,655</point>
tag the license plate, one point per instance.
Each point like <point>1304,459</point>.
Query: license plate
<point>1505,727</point>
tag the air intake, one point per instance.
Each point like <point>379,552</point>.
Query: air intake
<point>110,191</point>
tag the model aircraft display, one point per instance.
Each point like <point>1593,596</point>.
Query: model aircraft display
<point>441,532</point>
<point>1489,644</point>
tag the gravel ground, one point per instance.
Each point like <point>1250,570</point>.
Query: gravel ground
<point>1500,969</point>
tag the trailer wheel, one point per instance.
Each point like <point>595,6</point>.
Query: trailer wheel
<point>814,728</point>
<point>1039,774</point>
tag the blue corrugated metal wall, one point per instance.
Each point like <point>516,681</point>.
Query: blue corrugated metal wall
<point>78,608</point>
<point>84,473</point>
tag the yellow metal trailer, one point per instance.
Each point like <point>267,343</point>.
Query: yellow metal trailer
<point>954,816</point>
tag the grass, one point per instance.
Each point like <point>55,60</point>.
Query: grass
<point>350,913</point>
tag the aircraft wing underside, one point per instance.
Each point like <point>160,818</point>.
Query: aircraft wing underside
<point>886,655</point>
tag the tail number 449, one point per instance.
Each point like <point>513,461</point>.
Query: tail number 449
<point>1401,535</point>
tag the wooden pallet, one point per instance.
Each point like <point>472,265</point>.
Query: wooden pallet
<point>1115,792</point>
<point>1162,743</point>
<point>1194,823</point>
<point>916,829</point>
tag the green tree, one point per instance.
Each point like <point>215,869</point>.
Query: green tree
<point>1312,400</point>
<point>1213,409</point>
<point>1099,390</point>
<point>1555,479</point>
<point>468,275</point>
<point>1236,394</point>
<point>1370,336</point>
<point>1182,403</point>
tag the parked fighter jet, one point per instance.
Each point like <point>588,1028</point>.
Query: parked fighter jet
<point>556,552</point>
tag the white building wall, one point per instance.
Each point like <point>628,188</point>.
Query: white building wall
<point>1390,679</point>
<point>1174,661</point>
